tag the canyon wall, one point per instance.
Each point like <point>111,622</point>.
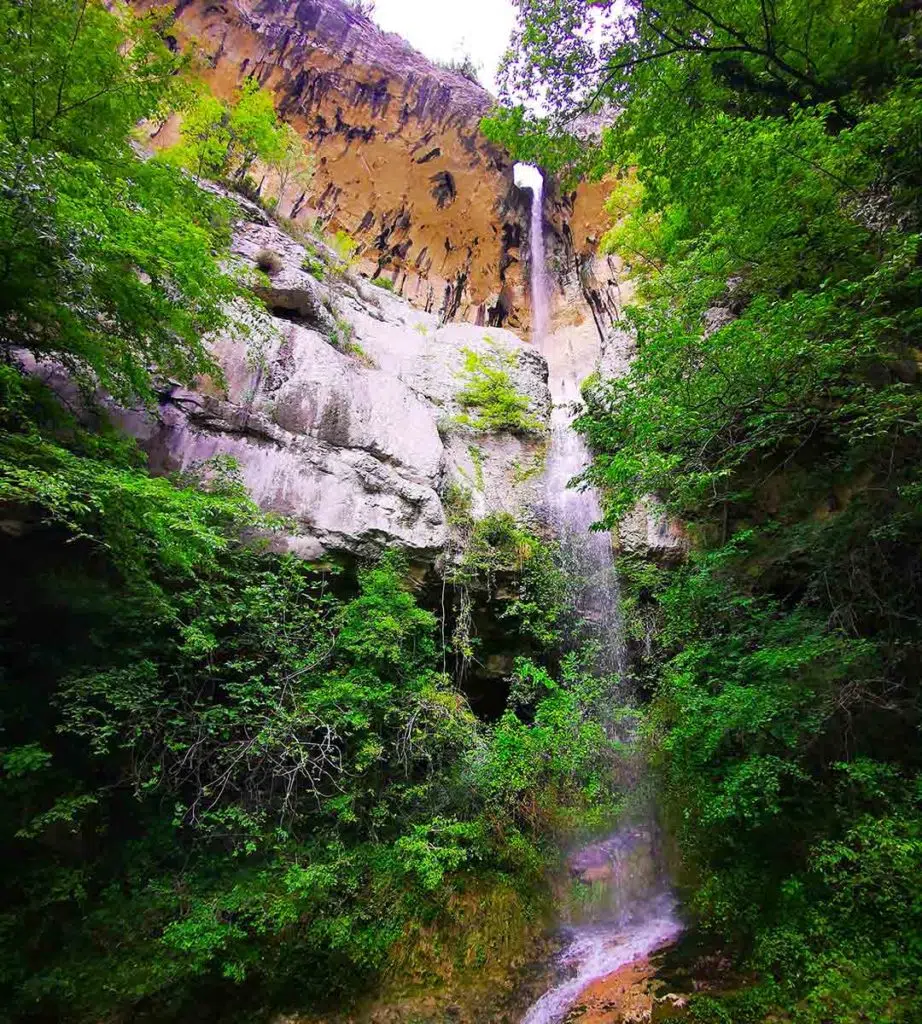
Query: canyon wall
<point>341,405</point>
<point>401,164</point>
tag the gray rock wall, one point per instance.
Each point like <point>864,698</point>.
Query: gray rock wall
<point>354,441</point>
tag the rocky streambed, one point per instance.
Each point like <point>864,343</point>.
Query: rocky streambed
<point>617,954</point>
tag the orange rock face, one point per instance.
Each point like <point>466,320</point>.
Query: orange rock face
<point>625,997</point>
<point>401,164</point>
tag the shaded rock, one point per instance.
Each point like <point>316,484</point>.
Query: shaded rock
<point>291,292</point>
<point>619,348</point>
<point>646,530</point>
<point>717,317</point>
<point>349,453</point>
<point>338,498</point>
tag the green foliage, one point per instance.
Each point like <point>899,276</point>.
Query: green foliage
<point>275,781</point>
<point>536,141</point>
<point>772,221</point>
<point>458,502</point>
<point>789,788</point>
<point>223,140</point>
<point>496,551</point>
<point>532,468</point>
<point>554,775</point>
<point>476,455</point>
<point>345,247</point>
<point>108,262</point>
<point>342,333</point>
<point>490,397</point>
<point>383,282</point>
<point>314,266</point>
<point>290,161</point>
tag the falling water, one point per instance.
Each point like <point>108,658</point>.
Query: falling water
<point>632,912</point>
<point>571,511</point>
<point>531,178</point>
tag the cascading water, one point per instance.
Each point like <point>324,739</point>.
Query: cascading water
<point>531,178</point>
<point>632,910</point>
<point>571,511</point>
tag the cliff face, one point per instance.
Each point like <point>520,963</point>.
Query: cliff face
<point>401,164</point>
<point>357,443</point>
<point>355,450</point>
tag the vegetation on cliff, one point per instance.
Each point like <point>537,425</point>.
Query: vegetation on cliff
<point>489,397</point>
<point>223,141</point>
<point>767,197</point>
<point>229,781</point>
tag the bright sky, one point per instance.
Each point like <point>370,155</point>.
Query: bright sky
<point>448,29</point>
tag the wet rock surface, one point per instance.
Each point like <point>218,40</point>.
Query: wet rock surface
<point>608,859</point>
<point>624,997</point>
<point>659,987</point>
<point>648,531</point>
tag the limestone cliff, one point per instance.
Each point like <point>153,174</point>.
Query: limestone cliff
<point>339,405</point>
<point>401,164</point>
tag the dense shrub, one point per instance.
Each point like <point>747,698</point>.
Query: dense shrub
<point>489,395</point>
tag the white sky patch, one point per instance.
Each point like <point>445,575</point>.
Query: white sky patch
<point>448,31</point>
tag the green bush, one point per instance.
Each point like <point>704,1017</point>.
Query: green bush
<point>345,247</point>
<point>490,397</point>
<point>314,266</point>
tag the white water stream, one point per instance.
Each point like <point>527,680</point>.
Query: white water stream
<point>571,511</point>
<point>633,911</point>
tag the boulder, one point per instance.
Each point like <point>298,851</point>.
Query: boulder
<point>347,453</point>
<point>646,530</point>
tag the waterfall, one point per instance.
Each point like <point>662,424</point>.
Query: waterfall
<point>531,178</point>
<point>635,913</point>
<point>587,554</point>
